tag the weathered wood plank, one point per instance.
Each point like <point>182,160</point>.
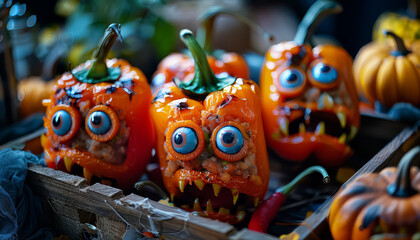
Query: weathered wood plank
<point>246,234</point>
<point>106,202</point>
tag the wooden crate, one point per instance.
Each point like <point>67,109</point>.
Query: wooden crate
<point>75,204</point>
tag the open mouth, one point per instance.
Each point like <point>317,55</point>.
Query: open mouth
<point>67,164</point>
<point>300,120</point>
<point>205,194</point>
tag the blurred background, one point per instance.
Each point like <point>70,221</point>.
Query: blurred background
<point>45,38</point>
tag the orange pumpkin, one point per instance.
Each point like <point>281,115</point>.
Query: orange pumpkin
<point>389,72</point>
<point>386,203</point>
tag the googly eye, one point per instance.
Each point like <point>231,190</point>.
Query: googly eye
<point>99,122</point>
<point>102,123</point>
<point>324,73</point>
<point>63,123</point>
<point>229,140</point>
<point>291,79</point>
<point>185,140</point>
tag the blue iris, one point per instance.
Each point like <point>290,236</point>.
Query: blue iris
<point>99,122</point>
<point>184,140</point>
<point>324,73</point>
<point>291,78</point>
<point>61,122</point>
<point>229,140</point>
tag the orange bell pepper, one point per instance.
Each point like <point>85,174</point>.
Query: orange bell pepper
<point>181,65</point>
<point>97,120</point>
<point>210,141</point>
<point>309,98</point>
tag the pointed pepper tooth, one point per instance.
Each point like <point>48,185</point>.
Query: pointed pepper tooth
<point>216,189</point>
<point>171,196</point>
<point>284,126</point>
<point>88,175</point>
<point>68,163</point>
<point>240,216</point>
<point>209,208</point>
<point>197,206</point>
<point>200,184</point>
<point>235,195</point>
<point>302,128</point>
<point>320,128</point>
<point>256,201</point>
<point>224,211</point>
<point>325,101</point>
<point>181,184</point>
<point>342,118</point>
<point>353,132</point>
<point>342,139</point>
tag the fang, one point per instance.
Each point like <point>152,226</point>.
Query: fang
<point>325,101</point>
<point>209,208</point>
<point>342,138</point>
<point>181,185</point>
<point>68,163</point>
<point>200,184</point>
<point>216,189</point>
<point>88,175</point>
<point>224,211</point>
<point>284,126</point>
<point>197,206</point>
<point>235,195</point>
<point>256,201</point>
<point>302,128</point>
<point>342,118</point>
<point>353,131</point>
<point>320,128</point>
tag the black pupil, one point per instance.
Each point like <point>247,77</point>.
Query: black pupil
<point>178,138</point>
<point>325,68</point>
<point>57,120</point>
<point>228,137</point>
<point>96,119</point>
<point>292,77</point>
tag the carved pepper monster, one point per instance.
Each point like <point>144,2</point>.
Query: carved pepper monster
<point>309,98</point>
<point>97,120</point>
<point>210,141</point>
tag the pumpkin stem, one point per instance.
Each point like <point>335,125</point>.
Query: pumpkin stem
<point>318,11</point>
<point>401,48</point>
<point>99,68</point>
<point>204,81</point>
<point>402,186</point>
<point>286,189</point>
<point>205,30</point>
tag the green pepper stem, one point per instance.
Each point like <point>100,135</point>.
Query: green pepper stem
<point>402,186</point>
<point>99,68</point>
<point>413,9</point>
<point>286,189</point>
<point>401,48</point>
<point>140,185</point>
<point>313,17</point>
<point>205,30</point>
<point>203,75</point>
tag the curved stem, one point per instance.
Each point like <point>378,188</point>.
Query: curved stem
<point>140,185</point>
<point>286,189</point>
<point>402,186</point>
<point>99,68</point>
<point>401,48</point>
<point>413,9</point>
<point>203,74</point>
<point>318,11</point>
<point>205,30</point>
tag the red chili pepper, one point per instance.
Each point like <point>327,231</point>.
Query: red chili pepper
<point>268,209</point>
